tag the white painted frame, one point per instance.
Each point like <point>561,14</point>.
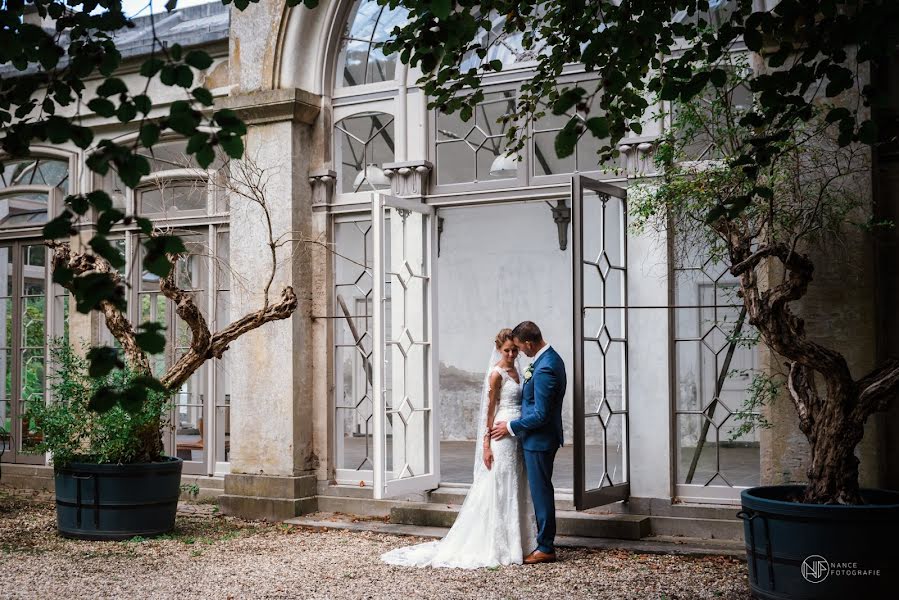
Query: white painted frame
<point>385,484</point>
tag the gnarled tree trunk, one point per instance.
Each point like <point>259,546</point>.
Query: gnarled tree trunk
<point>832,421</point>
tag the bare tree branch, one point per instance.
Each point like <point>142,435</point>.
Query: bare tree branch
<point>82,263</point>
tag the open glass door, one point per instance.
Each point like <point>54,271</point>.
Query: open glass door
<point>406,428</point>
<point>599,261</point>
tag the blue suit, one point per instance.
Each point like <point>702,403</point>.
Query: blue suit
<point>540,432</point>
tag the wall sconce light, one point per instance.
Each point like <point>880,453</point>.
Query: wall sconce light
<point>373,174</point>
<point>504,165</point>
<point>562,218</point>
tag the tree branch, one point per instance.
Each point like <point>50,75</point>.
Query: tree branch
<point>878,388</point>
<point>81,263</point>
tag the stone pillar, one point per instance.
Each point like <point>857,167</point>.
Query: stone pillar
<point>272,458</point>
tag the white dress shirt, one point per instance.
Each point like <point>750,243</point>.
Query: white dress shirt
<point>536,358</point>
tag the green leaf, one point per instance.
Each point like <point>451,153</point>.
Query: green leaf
<point>567,100</point>
<point>496,65</point>
<point>100,200</point>
<point>102,107</point>
<point>149,134</point>
<point>101,246</point>
<point>63,275</point>
<point>143,103</point>
<point>566,139</point>
<point>146,226</point>
<point>151,67</point>
<point>184,77</point>
<point>837,114</point>
<point>59,227</point>
<point>103,399</point>
<point>171,5</point>
<point>126,112</point>
<point>150,339</point>
<point>440,8</point>
<point>103,360</point>
<point>867,133</point>
<point>111,87</point>
<point>233,146</point>
<point>205,156</point>
<point>203,96</point>
<point>198,59</point>
<point>599,127</point>
<point>158,264</point>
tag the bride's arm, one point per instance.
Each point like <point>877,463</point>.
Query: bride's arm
<point>493,392</point>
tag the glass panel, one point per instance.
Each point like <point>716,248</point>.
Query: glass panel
<point>716,363</point>
<point>546,161</point>
<point>455,163</point>
<point>407,335</point>
<point>362,61</point>
<point>6,277</point>
<point>353,345</point>
<point>174,198</point>
<point>475,151</point>
<point>52,172</point>
<point>6,400</point>
<point>23,209</point>
<point>6,307</point>
<point>365,143</point>
<point>189,415</point>
<point>172,154</point>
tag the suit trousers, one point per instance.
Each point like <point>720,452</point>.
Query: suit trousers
<point>539,465</point>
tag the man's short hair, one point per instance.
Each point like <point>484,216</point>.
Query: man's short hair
<point>527,331</point>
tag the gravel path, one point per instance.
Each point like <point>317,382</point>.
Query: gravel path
<point>210,556</point>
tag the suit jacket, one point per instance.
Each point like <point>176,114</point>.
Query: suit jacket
<point>540,425</point>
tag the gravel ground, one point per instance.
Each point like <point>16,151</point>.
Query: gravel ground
<point>211,556</point>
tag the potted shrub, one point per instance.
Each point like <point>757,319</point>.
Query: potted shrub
<point>827,538</point>
<point>102,424</point>
<point>112,479</point>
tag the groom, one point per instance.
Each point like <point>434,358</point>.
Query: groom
<point>540,430</point>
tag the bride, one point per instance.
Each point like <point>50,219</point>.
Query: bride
<point>495,525</point>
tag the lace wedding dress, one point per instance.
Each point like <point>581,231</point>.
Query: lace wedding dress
<point>495,525</point>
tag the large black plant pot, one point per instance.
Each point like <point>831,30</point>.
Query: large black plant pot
<point>116,502</point>
<point>820,551</point>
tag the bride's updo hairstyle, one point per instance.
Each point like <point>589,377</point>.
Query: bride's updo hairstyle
<point>504,335</point>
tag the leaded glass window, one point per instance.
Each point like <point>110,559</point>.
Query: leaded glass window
<point>474,150</point>
<point>364,143</point>
<point>362,60</point>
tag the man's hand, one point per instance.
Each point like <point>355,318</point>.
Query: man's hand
<point>499,430</point>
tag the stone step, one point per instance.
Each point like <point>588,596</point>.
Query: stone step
<point>651,544</point>
<point>711,529</point>
<point>456,495</point>
<point>569,523</point>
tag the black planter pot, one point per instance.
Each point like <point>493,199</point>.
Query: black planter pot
<point>116,502</point>
<point>820,551</point>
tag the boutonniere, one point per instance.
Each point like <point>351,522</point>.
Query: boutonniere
<point>529,372</point>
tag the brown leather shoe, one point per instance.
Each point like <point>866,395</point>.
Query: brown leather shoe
<point>537,557</point>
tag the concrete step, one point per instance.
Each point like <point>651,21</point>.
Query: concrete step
<point>712,529</point>
<point>652,544</point>
<point>456,495</point>
<point>624,527</point>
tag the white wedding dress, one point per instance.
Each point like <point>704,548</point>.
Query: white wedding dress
<point>495,525</point>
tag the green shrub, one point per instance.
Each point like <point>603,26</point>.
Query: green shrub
<point>73,432</point>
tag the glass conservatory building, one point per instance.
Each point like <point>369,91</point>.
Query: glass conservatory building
<point>415,237</point>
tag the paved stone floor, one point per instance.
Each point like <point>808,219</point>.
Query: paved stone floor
<point>739,465</point>
<point>213,557</point>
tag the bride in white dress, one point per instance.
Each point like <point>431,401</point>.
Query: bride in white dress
<point>495,525</point>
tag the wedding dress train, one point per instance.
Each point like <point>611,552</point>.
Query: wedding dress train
<point>495,525</point>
